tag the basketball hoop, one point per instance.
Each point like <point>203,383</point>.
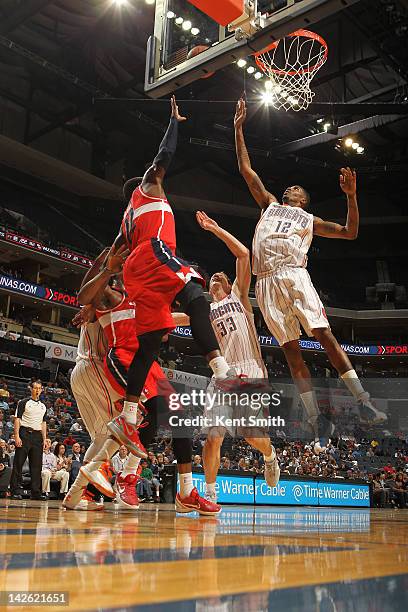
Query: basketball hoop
<point>290,65</point>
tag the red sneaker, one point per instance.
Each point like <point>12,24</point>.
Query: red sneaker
<point>195,503</point>
<point>126,495</point>
<point>128,435</point>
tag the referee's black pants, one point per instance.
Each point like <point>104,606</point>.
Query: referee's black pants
<point>32,448</point>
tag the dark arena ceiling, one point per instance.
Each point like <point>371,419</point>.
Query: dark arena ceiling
<point>56,58</point>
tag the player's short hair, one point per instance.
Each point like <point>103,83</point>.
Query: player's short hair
<point>226,276</point>
<point>130,186</point>
<point>35,382</point>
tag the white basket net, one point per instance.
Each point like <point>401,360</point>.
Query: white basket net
<point>290,65</point>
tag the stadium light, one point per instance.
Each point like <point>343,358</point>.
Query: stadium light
<point>326,127</point>
<point>195,31</point>
<point>349,142</point>
<point>179,20</point>
<point>320,120</point>
<point>360,150</point>
<point>241,63</point>
<point>171,15</point>
<point>355,146</point>
<point>250,70</point>
<point>267,97</point>
<point>150,1</point>
<point>187,25</point>
<point>258,75</point>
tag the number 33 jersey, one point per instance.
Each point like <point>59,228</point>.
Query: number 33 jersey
<point>235,330</point>
<point>282,238</point>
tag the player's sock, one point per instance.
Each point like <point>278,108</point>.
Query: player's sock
<point>219,367</point>
<point>210,490</point>
<point>186,484</point>
<point>108,449</point>
<point>131,465</point>
<point>309,400</point>
<point>130,411</point>
<point>353,384</point>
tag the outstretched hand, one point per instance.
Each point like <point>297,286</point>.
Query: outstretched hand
<point>175,110</point>
<point>240,113</point>
<point>348,181</point>
<point>116,258</point>
<point>85,315</point>
<point>206,222</point>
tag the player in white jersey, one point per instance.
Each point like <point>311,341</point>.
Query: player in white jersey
<point>234,326</point>
<point>97,401</point>
<point>284,290</point>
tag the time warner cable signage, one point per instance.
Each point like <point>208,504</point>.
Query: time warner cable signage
<point>312,345</point>
<point>248,490</point>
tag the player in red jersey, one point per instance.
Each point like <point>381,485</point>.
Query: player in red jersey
<point>154,277</point>
<point>117,316</point>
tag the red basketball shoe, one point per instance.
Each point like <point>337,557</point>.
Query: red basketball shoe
<point>195,503</point>
<point>127,434</point>
<point>126,495</point>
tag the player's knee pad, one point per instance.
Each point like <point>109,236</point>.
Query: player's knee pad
<point>183,449</point>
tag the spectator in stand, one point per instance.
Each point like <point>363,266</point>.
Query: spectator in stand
<point>77,426</point>
<point>49,467</point>
<point>4,392</point>
<point>76,460</point>
<point>144,486</point>
<point>154,466</point>
<point>399,491</point>
<point>5,469</point>
<point>69,440</point>
<point>389,469</point>
<point>63,468</point>
<point>3,405</point>
<point>53,427</point>
<point>119,460</point>
<point>83,449</point>
<point>197,461</point>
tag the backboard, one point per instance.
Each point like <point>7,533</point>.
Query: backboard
<point>180,27</point>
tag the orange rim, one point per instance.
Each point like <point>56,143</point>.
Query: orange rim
<point>306,34</point>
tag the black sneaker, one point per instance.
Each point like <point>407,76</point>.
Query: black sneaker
<point>16,496</point>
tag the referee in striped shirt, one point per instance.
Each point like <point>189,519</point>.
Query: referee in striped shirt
<point>30,432</point>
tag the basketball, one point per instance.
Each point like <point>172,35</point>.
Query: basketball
<point>196,51</point>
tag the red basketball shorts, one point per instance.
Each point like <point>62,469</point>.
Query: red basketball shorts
<point>116,365</point>
<point>153,277</point>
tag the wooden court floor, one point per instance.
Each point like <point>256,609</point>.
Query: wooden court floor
<point>320,560</point>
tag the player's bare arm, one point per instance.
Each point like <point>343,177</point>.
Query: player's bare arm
<point>180,318</point>
<point>349,231</point>
<point>96,266</point>
<point>261,195</point>
<point>240,251</point>
<point>153,178</point>
<point>92,291</point>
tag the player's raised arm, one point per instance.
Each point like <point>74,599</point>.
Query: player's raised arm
<point>255,185</point>
<point>95,287</point>
<point>154,176</point>
<point>241,253</point>
<point>327,229</point>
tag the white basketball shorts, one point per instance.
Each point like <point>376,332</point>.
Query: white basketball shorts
<point>288,299</point>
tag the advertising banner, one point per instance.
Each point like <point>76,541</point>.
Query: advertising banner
<point>238,489</point>
<point>53,350</point>
<point>312,345</point>
<point>18,285</point>
<point>36,245</point>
